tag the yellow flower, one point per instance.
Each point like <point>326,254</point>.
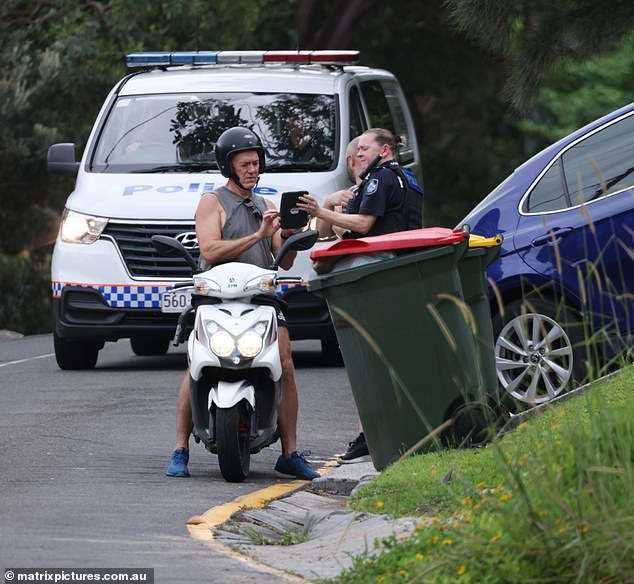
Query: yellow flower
<point>379,505</point>
<point>462,570</point>
<point>496,538</point>
<point>585,529</point>
<point>403,537</point>
<point>380,580</point>
<point>419,527</point>
<point>505,497</point>
<point>562,530</point>
<point>480,485</point>
<point>402,573</point>
<point>447,541</point>
<point>419,557</point>
<point>436,539</point>
<point>522,425</point>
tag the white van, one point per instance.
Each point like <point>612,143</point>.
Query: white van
<point>150,156</point>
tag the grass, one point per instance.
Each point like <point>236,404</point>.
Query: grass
<point>551,501</point>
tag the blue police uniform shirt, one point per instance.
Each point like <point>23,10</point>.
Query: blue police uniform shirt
<point>392,195</point>
<point>381,191</point>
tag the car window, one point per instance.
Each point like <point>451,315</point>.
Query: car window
<point>179,131</point>
<point>383,103</point>
<point>549,193</point>
<point>602,163</point>
<point>357,120</point>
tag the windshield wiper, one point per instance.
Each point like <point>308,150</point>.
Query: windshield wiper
<point>190,167</point>
<point>295,167</point>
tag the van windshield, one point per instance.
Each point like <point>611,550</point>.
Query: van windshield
<point>178,132</point>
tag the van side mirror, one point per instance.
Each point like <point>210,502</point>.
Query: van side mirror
<point>62,160</point>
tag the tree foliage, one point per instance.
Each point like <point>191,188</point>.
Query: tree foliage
<point>534,35</point>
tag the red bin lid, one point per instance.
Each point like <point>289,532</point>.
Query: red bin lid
<point>410,239</point>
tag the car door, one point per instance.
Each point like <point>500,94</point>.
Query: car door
<point>577,225</point>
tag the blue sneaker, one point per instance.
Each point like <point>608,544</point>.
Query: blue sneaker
<point>178,463</point>
<point>296,465</point>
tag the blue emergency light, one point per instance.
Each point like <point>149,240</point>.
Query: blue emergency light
<point>172,58</point>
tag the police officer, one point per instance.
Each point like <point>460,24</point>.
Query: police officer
<point>388,200</point>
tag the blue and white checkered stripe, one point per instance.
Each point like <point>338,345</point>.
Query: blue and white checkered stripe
<point>145,296</point>
<point>122,296</point>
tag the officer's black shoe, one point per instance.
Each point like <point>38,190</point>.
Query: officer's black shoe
<point>357,451</point>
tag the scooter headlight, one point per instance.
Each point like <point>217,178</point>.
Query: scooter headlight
<point>222,343</point>
<point>211,327</point>
<point>250,344</point>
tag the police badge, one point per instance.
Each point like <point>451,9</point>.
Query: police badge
<point>373,185</point>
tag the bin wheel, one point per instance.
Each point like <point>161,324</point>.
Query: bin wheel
<point>538,350</point>
<point>232,439</point>
<point>330,352</point>
<point>474,424</point>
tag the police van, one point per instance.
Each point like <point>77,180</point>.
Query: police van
<point>150,156</point>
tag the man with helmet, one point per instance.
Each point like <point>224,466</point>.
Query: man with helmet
<point>235,224</point>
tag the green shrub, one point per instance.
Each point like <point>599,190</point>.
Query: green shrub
<point>25,293</point>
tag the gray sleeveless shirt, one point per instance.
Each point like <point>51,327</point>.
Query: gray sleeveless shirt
<point>243,217</point>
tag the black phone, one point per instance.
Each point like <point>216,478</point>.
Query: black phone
<point>291,216</point>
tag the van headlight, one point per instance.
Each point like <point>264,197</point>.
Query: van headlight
<point>80,228</point>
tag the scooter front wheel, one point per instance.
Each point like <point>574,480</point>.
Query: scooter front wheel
<point>232,440</point>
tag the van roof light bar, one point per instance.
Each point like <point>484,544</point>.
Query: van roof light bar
<point>172,58</point>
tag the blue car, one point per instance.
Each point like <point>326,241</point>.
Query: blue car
<point>562,289</point>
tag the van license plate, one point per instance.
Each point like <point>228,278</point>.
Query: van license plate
<point>176,300</point>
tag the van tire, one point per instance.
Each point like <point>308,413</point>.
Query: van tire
<point>75,354</point>
<point>149,346</point>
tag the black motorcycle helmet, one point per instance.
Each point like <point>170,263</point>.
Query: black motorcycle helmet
<point>236,140</point>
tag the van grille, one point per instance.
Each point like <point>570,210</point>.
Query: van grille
<point>141,259</point>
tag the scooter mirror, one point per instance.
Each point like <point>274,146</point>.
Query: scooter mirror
<point>170,247</point>
<point>300,241</point>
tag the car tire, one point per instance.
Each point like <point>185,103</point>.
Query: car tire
<point>539,350</point>
<point>149,347</point>
<point>72,354</point>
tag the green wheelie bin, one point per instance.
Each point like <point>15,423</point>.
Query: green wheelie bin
<point>472,269</point>
<point>407,346</point>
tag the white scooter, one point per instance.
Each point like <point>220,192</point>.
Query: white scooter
<point>233,354</point>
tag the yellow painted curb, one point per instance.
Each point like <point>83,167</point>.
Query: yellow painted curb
<point>201,527</point>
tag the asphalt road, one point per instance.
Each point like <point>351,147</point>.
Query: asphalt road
<point>82,475</point>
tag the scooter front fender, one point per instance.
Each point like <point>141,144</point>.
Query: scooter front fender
<point>227,394</point>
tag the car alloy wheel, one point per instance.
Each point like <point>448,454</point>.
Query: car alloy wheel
<point>535,357</point>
